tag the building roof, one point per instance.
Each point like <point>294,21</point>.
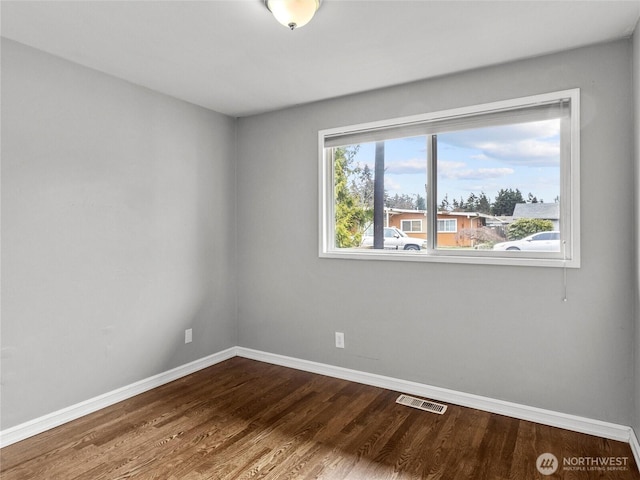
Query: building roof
<point>546,211</point>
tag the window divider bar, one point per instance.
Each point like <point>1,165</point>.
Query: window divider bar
<point>432,193</point>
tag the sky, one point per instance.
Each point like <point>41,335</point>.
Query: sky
<point>525,156</point>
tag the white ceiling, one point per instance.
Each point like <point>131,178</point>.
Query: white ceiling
<point>233,57</point>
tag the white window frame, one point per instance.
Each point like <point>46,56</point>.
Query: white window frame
<point>411,220</point>
<point>455,222</point>
<point>569,187</point>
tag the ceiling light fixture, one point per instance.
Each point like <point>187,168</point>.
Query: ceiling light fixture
<point>293,13</point>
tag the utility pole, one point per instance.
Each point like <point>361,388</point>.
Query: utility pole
<point>378,198</point>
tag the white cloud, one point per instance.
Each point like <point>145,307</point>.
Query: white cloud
<point>407,167</point>
<point>459,171</point>
<point>526,144</point>
<point>392,186</point>
<point>532,151</point>
<point>483,173</point>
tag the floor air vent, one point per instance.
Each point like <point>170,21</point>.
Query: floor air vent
<point>421,404</point>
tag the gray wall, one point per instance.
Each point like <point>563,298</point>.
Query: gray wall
<point>117,233</point>
<point>503,332</point>
<point>636,89</point>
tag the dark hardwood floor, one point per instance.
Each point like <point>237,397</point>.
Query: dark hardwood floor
<point>243,419</point>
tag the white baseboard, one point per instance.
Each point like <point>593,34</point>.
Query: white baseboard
<point>523,412</point>
<point>635,447</point>
<point>54,419</point>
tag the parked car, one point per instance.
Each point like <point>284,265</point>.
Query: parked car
<point>538,242</point>
<point>394,239</point>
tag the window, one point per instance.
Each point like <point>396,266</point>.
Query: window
<point>466,170</point>
<point>411,225</point>
<point>547,236</point>
<point>448,225</point>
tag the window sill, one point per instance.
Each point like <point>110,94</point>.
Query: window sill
<point>477,259</point>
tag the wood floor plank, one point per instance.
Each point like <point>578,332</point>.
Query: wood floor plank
<point>243,419</point>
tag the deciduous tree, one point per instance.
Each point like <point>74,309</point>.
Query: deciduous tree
<point>523,227</point>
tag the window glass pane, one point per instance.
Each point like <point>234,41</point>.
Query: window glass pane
<point>503,185</point>
<point>404,199</point>
<point>446,225</point>
<point>411,225</point>
<point>494,183</point>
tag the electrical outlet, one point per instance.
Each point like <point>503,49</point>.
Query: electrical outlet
<point>339,340</point>
<point>188,335</point>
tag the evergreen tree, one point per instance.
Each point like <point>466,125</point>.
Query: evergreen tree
<point>445,206</point>
<point>403,201</point>
<point>362,186</point>
<point>472,203</point>
<point>506,201</point>
<point>351,214</point>
<point>483,205</point>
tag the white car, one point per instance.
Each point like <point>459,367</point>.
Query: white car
<point>538,242</point>
<point>394,239</point>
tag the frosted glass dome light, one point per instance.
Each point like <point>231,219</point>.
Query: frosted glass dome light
<point>293,13</point>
